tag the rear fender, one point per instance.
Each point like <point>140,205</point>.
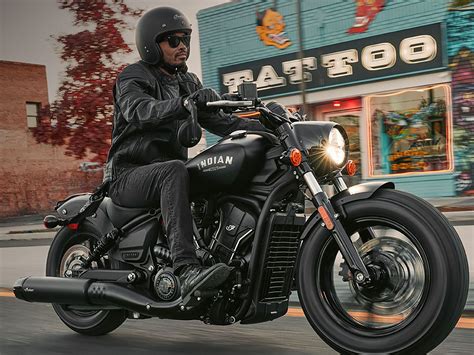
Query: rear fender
<point>72,206</point>
<point>357,192</point>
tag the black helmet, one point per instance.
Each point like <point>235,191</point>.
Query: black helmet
<point>155,23</point>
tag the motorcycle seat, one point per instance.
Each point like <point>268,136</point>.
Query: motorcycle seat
<point>120,215</point>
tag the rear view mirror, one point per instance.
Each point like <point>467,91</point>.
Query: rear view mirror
<point>247,91</point>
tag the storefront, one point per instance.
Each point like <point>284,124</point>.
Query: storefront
<point>386,79</point>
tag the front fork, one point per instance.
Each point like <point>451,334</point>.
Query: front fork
<point>331,222</point>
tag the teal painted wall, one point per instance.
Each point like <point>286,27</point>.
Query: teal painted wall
<point>228,36</point>
<point>436,185</point>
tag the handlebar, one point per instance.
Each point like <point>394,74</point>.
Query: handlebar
<point>229,103</point>
<point>268,113</point>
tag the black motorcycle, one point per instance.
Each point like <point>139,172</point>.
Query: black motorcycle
<point>376,270</point>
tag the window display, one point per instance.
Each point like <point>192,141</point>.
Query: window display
<point>409,131</point>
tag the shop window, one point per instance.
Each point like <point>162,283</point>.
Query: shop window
<point>32,109</point>
<point>409,131</point>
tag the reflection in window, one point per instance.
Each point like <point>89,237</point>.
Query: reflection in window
<point>408,131</point>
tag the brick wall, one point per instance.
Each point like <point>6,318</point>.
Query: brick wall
<point>32,176</point>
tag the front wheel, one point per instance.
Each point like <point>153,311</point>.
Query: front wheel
<point>64,260</point>
<point>419,271</point>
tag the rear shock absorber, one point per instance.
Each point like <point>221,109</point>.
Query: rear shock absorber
<point>105,244</point>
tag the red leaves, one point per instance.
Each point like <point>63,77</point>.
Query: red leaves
<point>80,118</point>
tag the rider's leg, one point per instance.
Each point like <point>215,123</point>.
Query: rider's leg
<point>168,183</point>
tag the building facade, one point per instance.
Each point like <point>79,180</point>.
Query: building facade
<point>398,75</point>
<point>33,177</point>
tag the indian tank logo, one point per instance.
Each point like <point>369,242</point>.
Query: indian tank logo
<point>215,163</point>
<point>366,10</point>
<point>271,29</point>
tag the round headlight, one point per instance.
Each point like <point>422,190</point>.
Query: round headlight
<point>336,147</point>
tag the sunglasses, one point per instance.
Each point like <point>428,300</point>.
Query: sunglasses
<point>174,40</point>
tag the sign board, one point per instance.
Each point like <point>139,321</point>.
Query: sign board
<point>398,53</point>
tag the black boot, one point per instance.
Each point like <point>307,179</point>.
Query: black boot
<point>196,277</point>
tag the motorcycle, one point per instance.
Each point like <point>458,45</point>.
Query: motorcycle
<point>376,270</point>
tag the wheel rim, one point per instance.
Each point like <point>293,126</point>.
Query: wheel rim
<point>71,266</point>
<point>397,263</point>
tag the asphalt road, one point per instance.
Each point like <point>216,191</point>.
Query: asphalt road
<point>35,329</point>
<point>27,328</point>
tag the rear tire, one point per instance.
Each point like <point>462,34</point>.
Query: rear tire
<point>69,242</point>
<point>429,307</point>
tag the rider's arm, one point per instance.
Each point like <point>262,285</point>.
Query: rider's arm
<point>222,124</point>
<point>133,95</point>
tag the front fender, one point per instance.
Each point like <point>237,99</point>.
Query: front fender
<point>357,192</point>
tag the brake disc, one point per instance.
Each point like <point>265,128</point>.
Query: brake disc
<point>400,284</point>
<point>71,262</point>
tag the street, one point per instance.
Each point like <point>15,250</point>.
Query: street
<point>35,329</point>
<point>29,328</point>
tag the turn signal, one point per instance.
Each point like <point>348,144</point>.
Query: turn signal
<point>351,168</point>
<point>50,221</point>
<point>295,157</point>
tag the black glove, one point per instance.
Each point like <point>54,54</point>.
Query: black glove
<point>202,96</point>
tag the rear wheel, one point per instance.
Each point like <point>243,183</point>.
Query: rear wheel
<point>419,271</point>
<point>64,260</point>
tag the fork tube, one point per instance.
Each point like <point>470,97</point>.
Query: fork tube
<point>312,183</point>
<point>334,225</point>
<point>339,183</point>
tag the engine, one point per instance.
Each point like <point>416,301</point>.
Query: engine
<point>166,285</point>
<point>230,232</point>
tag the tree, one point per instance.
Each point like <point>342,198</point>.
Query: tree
<point>80,119</point>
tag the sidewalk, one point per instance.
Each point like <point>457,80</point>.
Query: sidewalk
<point>456,209</point>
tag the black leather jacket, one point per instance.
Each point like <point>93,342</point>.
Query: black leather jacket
<point>148,112</point>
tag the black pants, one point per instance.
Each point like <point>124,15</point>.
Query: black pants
<point>165,185</point>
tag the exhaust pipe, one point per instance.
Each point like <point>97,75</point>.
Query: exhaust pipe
<point>82,292</point>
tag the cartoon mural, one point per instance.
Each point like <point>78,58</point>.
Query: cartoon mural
<point>460,27</point>
<point>271,29</point>
<point>366,10</point>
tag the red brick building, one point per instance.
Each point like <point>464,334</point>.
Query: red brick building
<point>32,176</point>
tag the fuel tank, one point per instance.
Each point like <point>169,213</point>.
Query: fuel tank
<point>228,165</point>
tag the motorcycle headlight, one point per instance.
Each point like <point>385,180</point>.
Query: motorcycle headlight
<point>327,144</point>
<point>336,147</point>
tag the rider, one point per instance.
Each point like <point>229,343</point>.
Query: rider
<point>145,165</point>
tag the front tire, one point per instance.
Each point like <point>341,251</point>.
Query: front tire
<point>66,248</point>
<point>421,289</point>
